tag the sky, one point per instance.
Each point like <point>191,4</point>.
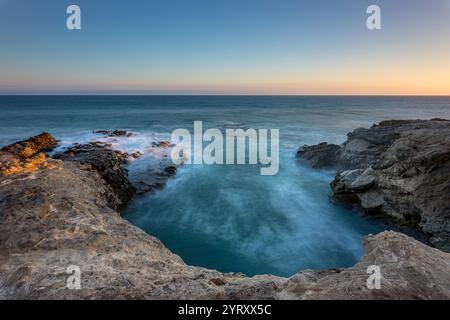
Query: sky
<point>304,47</point>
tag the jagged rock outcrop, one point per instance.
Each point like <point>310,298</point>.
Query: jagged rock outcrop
<point>52,219</point>
<point>397,168</point>
<point>322,155</point>
<point>158,170</point>
<point>114,133</point>
<point>30,147</point>
<point>409,270</point>
<point>27,155</point>
<point>109,164</point>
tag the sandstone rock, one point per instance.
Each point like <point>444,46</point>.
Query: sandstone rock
<point>27,156</point>
<point>409,270</point>
<point>410,177</point>
<point>218,281</point>
<point>43,142</point>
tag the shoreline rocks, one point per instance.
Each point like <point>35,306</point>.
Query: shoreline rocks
<point>158,170</point>
<point>322,155</point>
<point>43,142</point>
<point>27,155</point>
<point>52,219</point>
<point>409,270</point>
<point>400,169</point>
<point>114,133</point>
<point>109,164</point>
<point>136,155</point>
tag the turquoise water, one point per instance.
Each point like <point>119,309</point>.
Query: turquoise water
<point>229,217</point>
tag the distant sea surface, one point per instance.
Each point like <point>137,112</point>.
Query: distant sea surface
<point>229,217</point>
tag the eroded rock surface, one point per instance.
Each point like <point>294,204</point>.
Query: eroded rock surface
<point>322,155</point>
<point>397,168</point>
<point>114,133</point>
<point>28,155</point>
<point>153,169</point>
<point>52,219</point>
<point>109,164</point>
<point>30,147</point>
<point>408,268</point>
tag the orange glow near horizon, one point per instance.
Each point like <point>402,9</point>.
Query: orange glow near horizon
<point>298,48</point>
<point>396,82</point>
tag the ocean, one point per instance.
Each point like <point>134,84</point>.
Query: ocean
<point>230,218</point>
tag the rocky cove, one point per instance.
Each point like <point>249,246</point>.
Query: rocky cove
<point>64,209</point>
<point>399,169</point>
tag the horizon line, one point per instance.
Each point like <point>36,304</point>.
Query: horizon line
<point>200,93</point>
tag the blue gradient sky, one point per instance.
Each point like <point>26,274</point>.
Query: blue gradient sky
<point>225,46</point>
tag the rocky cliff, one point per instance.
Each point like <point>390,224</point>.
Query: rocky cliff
<point>54,217</point>
<point>397,168</point>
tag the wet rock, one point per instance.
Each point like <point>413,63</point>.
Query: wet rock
<point>372,201</point>
<point>353,181</point>
<point>120,133</point>
<point>114,133</point>
<point>109,164</point>
<point>100,144</point>
<point>136,155</point>
<point>158,168</point>
<point>320,156</point>
<point>400,168</point>
<point>104,132</point>
<point>162,144</point>
<point>171,170</point>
